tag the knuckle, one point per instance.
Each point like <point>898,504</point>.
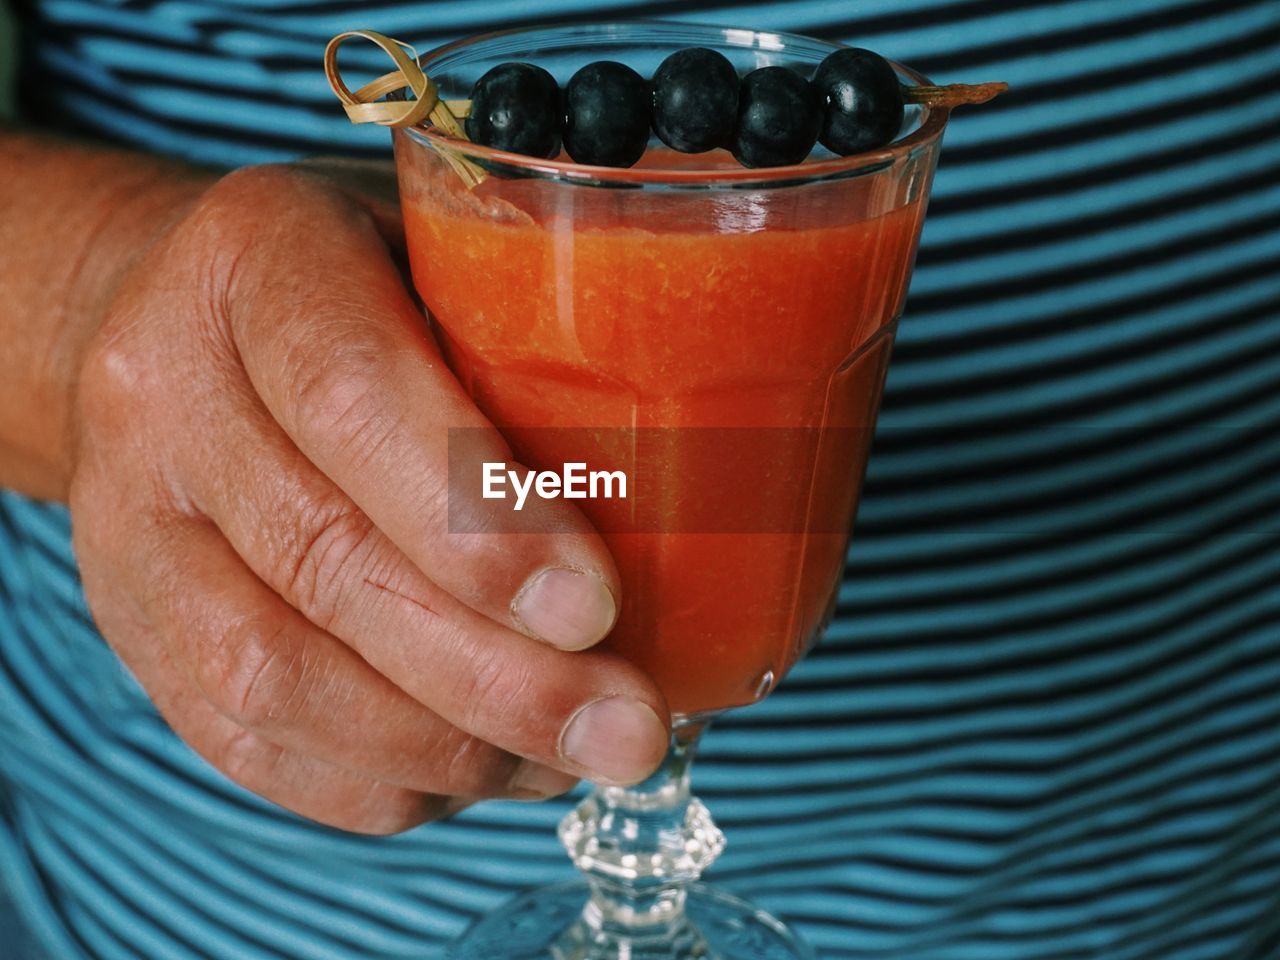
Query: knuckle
<point>114,379</point>
<point>267,186</point>
<point>253,674</point>
<point>263,175</point>
<point>258,208</point>
<point>328,546</point>
<point>259,187</point>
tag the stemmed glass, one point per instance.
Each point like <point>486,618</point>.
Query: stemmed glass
<point>721,334</point>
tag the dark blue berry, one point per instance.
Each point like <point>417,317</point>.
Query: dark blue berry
<point>695,100</point>
<point>779,115</point>
<point>862,101</point>
<point>516,107</point>
<point>606,115</point>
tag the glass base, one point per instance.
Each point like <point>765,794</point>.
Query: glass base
<point>548,924</point>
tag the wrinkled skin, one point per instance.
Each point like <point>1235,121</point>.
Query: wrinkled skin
<point>258,492</point>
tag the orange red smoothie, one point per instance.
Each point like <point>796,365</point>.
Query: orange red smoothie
<point>684,317</point>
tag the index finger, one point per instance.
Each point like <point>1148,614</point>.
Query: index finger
<point>341,356</point>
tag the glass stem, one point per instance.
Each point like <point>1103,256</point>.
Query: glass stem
<point>640,848</point>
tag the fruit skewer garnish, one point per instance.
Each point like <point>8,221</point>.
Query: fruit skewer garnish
<point>696,101</point>
<point>366,105</point>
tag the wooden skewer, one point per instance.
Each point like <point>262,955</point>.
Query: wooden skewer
<point>954,94</point>
<point>951,95</point>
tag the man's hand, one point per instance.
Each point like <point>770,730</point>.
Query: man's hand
<point>258,491</point>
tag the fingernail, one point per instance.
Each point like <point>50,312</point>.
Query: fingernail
<point>619,740</point>
<point>567,609</point>
<point>534,781</point>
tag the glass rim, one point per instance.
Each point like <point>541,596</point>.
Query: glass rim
<point>928,131</point>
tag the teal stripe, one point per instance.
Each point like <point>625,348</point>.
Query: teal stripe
<point>1097,382</point>
<point>1099,248</point>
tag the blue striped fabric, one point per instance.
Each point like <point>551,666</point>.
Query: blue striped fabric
<point>1044,725</point>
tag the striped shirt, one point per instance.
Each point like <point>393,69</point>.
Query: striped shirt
<point>1045,722</point>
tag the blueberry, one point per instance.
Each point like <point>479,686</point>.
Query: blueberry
<point>779,115</point>
<point>862,101</point>
<point>606,115</point>
<point>516,107</point>
<point>695,100</point>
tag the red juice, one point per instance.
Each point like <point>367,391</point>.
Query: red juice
<point>604,311</point>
